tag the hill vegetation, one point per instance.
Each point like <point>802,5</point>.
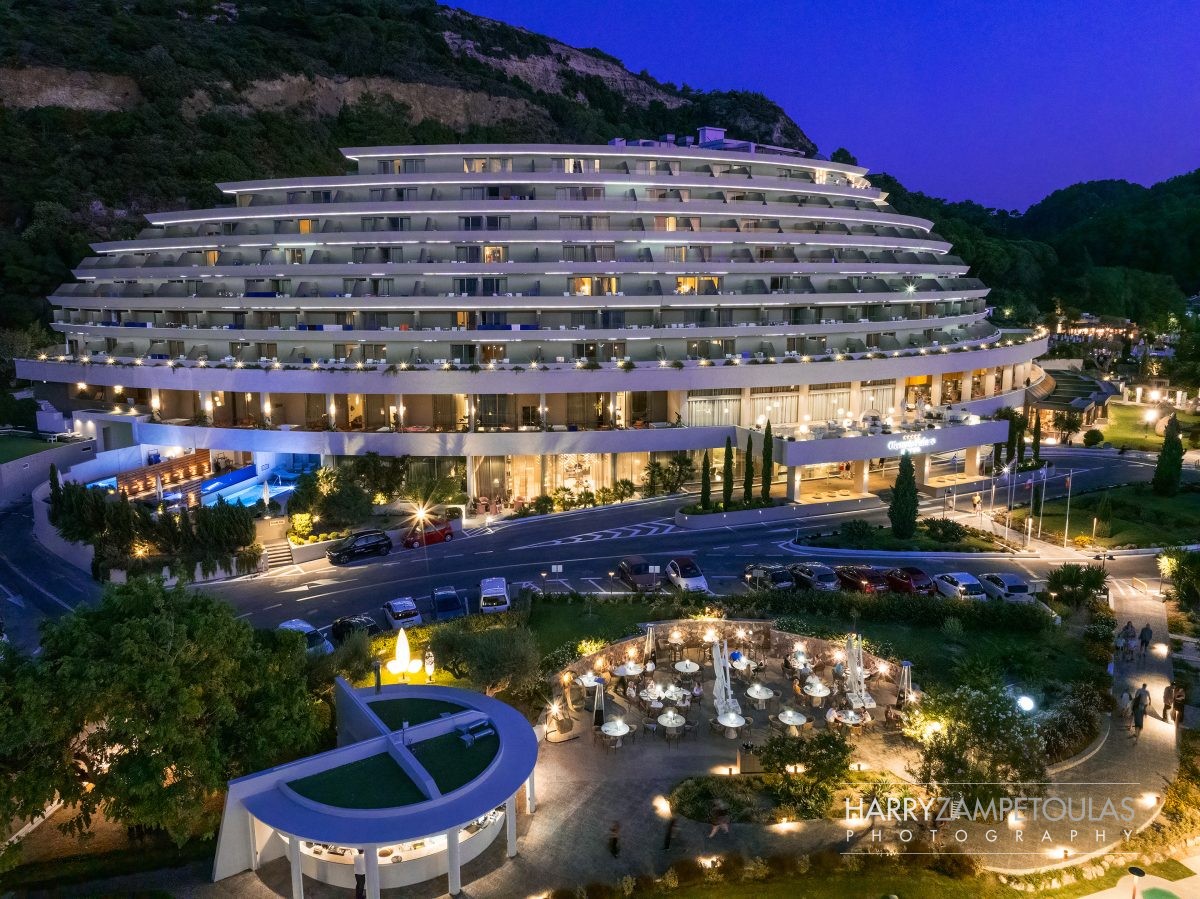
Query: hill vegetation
<point>112,108</point>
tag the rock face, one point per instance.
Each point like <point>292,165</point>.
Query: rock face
<point>323,96</point>
<point>37,86</point>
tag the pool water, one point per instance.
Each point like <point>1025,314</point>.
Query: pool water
<point>253,493</point>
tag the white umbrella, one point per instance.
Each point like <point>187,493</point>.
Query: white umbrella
<point>649,640</point>
<point>598,708</point>
<point>266,494</point>
<point>158,491</point>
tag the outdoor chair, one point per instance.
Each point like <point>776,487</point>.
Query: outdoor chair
<point>650,727</point>
<point>596,733</point>
<point>715,726</point>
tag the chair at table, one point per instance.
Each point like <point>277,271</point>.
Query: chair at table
<point>745,729</point>
<point>776,727</point>
<point>597,734</point>
<point>650,727</point>
<point>715,726</point>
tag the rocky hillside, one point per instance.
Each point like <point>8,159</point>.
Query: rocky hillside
<point>109,108</point>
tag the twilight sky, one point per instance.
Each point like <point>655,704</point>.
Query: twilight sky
<point>999,101</point>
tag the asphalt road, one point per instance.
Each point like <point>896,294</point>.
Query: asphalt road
<point>587,545</point>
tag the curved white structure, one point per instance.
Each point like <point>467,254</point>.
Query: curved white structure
<point>537,316</point>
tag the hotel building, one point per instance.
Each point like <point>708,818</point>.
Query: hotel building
<point>530,317</point>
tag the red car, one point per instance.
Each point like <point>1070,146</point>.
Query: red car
<point>910,580</point>
<point>861,579</point>
<point>435,532</point>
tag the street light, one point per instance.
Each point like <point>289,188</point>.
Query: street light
<point>611,586</point>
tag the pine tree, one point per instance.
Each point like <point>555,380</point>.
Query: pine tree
<point>768,466</point>
<point>56,493</point>
<point>748,478</point>
<point>1037,436</point>
<point>705,483</point>
<point>902,511</point>
<point>1169,469</point>
<point>727,475</point>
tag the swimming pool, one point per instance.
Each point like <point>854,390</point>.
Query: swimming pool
<point>252,494</point>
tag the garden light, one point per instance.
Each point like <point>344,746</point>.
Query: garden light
<point>398,665</point>
<point>1025,703</point>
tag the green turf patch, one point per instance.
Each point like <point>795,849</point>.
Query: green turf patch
<point>451,763</point>
<point>1127,427</point>
<point>12,447</point>
<point>556,623</point>
<point>394,712</point>
<point>374,782</point>
<point>1139,517</point>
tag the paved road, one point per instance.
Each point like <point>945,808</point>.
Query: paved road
<point>589,544</point>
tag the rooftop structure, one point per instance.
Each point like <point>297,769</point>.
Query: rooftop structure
<point>531,317</point>
<point>422,781</point>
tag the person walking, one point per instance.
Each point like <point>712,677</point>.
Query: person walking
<point>720,821</point>
<point>1139,720</point>
<point>1144,638</point>
<point>614,839</point>
<point>1141,699</point>
<point>672,829</point>
<point>360,875</point>
<point>1126,705</point>
<point>1179,703</point>
<point>1168,699</point>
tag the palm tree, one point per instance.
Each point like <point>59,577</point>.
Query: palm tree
<point>426,493</point>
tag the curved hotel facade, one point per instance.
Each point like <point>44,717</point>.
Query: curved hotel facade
<point>539,316</point>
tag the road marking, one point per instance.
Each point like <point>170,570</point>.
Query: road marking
<point>33,583</point>
<point>276,606</point>
<point>653,528</point>
<point>245,615</point>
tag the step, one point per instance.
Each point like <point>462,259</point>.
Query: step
<point>278,555</point>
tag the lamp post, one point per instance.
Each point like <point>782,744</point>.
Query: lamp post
<point>611,585</point>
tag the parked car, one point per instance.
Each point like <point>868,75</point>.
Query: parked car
<point>447,604</point>
<point>634,572</point>
<point>814,576</point>
<point>685,574</point>
<point>959,585</point>
<point>908,579</point>
<point>359,544</point>
<point>343,627</point>
<point>768,576</point>
<point>1002,585</point>
<point>861,579</point>
<point>314,641</point>
<point>402,612</point>
<point>433,532</point>
<point>493,595</point>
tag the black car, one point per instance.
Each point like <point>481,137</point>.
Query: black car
<point>768,576</point>
<point>359,544</point>
<point>447,604</point>
<point>634,572</point>
<point>348,624</point>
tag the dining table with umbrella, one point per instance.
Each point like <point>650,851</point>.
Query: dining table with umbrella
<point>671,721</point>
<point>792,721</point>
<point>759,694</point>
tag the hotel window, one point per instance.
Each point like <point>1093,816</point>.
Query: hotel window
<point>575,252</point>
<point>604,253</point>
<point>496,319</point>
<point>308,226</point>
<point>414,166</point>
<point>576,165</point>
<point>294,256</point>
<point>646,166</point>
<point>498,222</point>
<point>470,193</point>
<point>322,196</point>
<point>470,223</point>
<point>674,254</point>
<point>667,223</point>
<point>579,193</point>
<point>492,352</point>
<point>701,284</point>
<point>593,286</point>
<point>878,395</point>
<point>495,253</point>
<point>406,194</point>
<point>477,165</point>
<point>494,286</point>
<point>211,257</point>
<point>467,254</point>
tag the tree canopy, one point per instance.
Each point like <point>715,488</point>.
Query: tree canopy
<point>144,706</point>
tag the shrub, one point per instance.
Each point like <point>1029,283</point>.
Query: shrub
<point>1093,437</point>
<point>956,864</point>
<point>944,530</point>
<point>1072,723</point>
<point>857,533</point>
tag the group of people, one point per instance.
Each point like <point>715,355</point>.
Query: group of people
<point>1135,706</point>
<point>1130,643</point>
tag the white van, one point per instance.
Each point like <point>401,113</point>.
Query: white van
<point>493,595</point>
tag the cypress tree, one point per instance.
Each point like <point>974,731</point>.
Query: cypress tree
<point>1021,424</point>
<point>768,466</point>
<point>1104,514</point>
<point>56,493</point>
<point>727,475</point>
<point>705,483</point>
<point>1169,468</point>
<point>1037,436</point>
<point>748,478</point>
<point>902,511</point>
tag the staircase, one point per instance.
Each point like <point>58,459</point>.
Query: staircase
<point>279,555</point>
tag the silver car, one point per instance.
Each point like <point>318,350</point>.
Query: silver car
<point>814,576</point>
<point>1003,585</point>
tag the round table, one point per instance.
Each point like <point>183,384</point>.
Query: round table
<point>731,721</point>
<point>687,666</point>
<point>629,669</point>
<point>759,694</point>
<point>671,720</point>
<point>742,664</point>
<point>590,680</point>
<point>817,691</point>
<point>615,728</point>
<point>792,720</point>
<point>849,716</point>
<point>674,693</point>
<point>798,659</point>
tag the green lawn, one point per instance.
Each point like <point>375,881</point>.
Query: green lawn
<point>12,447</point>
<point>920,542</point>
<point>1126,427</point>
<point>451,763</point>
<point>1140,518</point>
<point>555,623</point>
<point>394,712</point>
<point>1033,660</point>
<point>374,782</point>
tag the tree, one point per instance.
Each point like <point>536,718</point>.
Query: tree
<point>145,706</point>
<point>1022,423</point>
<point>806,773</point>
<point>768,463</point>
<point>705,482</point>
<point>976,745</point>
<point>727,475</point>
<point>678,471</point>
<point>841,154</point>
<point>56,494</point>
<point>1076,584</point>
<point>1068,424</point>
<point>748,477</point>
<point>427,492</point>
<point>1037,436</point>
<point>1182,568</point>
<point>1104,515</point>
<point>1169,468</point>
<point>902,511</point>
<point>652,478</point>
<point>623,489</point>
<point>494,659</point>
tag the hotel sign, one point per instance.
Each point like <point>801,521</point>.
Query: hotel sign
<point>911,442</point>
